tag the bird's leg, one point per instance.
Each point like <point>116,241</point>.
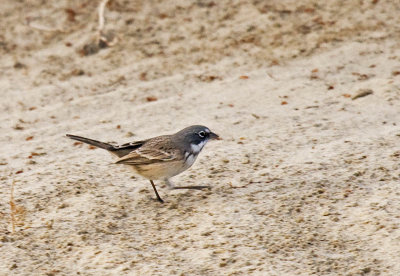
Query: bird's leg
<point>172,187</point>
<point>155,190</point>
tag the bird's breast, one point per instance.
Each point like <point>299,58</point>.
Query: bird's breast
<point>189,159</point>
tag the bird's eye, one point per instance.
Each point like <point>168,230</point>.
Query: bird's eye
<point>202,134</point>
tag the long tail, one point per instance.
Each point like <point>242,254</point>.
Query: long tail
<point>95,143</point>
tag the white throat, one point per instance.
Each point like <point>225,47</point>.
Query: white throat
<point>197,148</point>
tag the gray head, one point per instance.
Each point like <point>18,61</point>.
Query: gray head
<point>195,137</point>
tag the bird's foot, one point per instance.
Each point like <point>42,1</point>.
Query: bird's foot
<point>192,187</point>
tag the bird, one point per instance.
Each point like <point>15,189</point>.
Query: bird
<point>161,157</point>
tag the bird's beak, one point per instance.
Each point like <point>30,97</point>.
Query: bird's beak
<point>214,136</point>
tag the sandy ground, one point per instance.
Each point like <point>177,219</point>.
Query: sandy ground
<point>306,180</point>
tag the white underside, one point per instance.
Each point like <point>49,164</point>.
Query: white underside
<point>162,170</point>
<point>190,160</point>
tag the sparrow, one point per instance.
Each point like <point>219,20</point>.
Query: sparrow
<point>161,157</point>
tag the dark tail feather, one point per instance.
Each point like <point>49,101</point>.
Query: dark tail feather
<point>92,142</point>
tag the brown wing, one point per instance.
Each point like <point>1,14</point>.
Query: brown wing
<point>153,151</point>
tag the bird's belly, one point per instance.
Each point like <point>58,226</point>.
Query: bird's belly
<point>163,170</point>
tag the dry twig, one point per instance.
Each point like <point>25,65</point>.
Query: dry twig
<point>105,39</point>
<point>17,213</point>
<point>12,207</point>
<point>101,15</point>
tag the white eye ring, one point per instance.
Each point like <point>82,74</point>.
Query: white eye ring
<point>202,134</point>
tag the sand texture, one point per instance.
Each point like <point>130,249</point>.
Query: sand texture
<point>305,94</point>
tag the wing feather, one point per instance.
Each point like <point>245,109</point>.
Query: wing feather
<point>125,149</point>
<point>143,156</point>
